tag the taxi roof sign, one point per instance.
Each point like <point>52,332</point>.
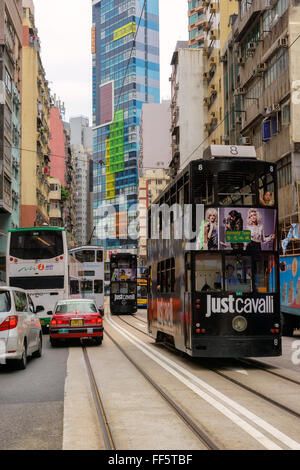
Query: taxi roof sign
<point>229,151</point>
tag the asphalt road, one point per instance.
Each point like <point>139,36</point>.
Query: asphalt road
<point>31,402</point>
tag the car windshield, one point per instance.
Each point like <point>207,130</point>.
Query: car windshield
<point>81,307</point>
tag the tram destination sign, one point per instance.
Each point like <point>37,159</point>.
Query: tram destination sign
<point>238,236</point>
<point>221,151</point>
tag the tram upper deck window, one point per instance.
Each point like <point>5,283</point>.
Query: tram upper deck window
<point>266,190</point>
<point>204,190</point>
<point>99,256</point>
<point>208,269</point>
<point>237,188</point>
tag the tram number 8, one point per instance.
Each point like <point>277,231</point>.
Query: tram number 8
<point>234,150</point>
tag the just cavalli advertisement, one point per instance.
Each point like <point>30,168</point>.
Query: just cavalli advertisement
<point>243,229</point>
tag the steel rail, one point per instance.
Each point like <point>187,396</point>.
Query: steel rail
<point>245,387</point>
<point>98,403</point>
<point>192,426</point>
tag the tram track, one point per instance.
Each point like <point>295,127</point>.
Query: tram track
<point>109,442</point>
<point>203,438</point>
<point>263,366</point>
<point>241,385</point>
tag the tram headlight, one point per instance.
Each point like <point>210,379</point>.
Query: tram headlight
<point>239,323</point>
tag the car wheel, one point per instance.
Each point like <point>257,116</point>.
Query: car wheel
<point>20,364</point>
<point>38,352</point>
<point>98,341</point>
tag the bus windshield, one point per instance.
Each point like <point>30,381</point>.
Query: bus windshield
<point>36,244</point>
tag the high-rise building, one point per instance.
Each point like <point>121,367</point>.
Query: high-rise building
<point>125,47</point>
<point>155,122</point>
<point>35,161</point>
<point>10,115</point>
<point>209,26</point>
<point>81,141</point>
<point>187,110</point>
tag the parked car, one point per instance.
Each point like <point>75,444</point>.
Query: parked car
<point>20,328</point>
<point>76,318</point>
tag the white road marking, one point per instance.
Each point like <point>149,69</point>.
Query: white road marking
<point>261,438</point>
<point>232,369</point>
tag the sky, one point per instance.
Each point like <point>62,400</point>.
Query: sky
<point>64,28</point>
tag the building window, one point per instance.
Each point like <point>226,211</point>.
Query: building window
<point>284,167</point>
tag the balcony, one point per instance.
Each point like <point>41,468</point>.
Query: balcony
<point>246,18</point>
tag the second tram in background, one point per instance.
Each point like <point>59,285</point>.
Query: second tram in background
<point>123,287</point>
<point>87,274</point>
<point>142,287</point>
<point>219,295</point>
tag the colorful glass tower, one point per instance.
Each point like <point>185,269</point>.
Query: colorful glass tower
<point>125,48</point>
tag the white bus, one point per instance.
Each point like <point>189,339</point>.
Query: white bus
<point>37,261</point>
<point>87,274</point>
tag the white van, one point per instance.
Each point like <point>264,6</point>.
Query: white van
<point>20,328</point>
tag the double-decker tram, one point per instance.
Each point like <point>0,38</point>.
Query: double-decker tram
<point>213,257</point>
<point>37,261</point>
<point>123,287</point>
<point>87,274</point>
<point>142,287</point>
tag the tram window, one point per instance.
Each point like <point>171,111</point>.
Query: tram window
<point>166,275</point>
<point>74,287</point>
<point>115,288</point>
<point>79,256</point>
<point>266,190</point>
<point>142,292</point>
<point>236,189</point>
<point>264,274</point>
<point>238,274</point>
<point>208,269</point>
<point>98,286</point>
<point>86,286</point>
<point>123,288</point>
<point>88,256</point>
<point>99,256</point>
<point>203,193</point>
<point>188,273</point>
<point>132,288</point>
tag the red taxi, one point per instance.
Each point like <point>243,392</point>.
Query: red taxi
<point>76,318</point>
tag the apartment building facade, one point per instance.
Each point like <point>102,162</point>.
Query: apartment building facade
<point>209,26</point>
<point>35,156</point>
<point>10,115</point>
<point>262,96</point>
<point>125,47</point>
<point>187,111</point>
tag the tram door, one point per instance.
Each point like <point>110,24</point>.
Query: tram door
<point>187,311</point>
